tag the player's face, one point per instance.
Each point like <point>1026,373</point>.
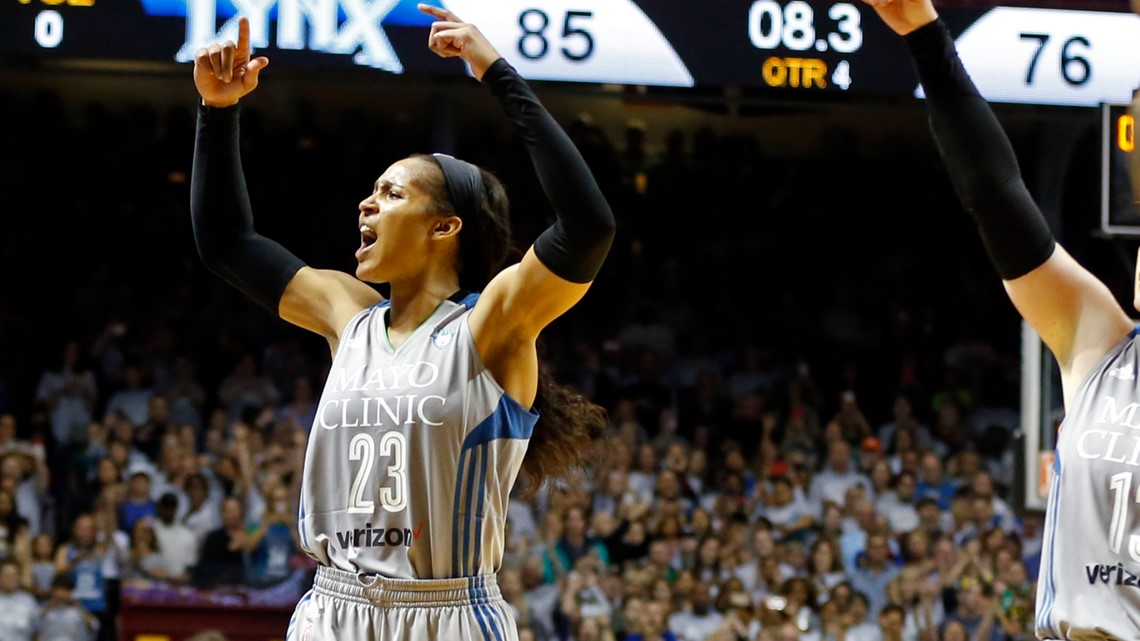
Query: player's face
<point>400,224</point>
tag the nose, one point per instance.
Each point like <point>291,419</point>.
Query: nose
<point>368,205</point>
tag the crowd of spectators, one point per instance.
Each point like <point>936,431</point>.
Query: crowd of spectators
<point>812,414</point>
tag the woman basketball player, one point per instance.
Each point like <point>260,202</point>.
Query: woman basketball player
<point>435,392</point>
<point>1091,557</point>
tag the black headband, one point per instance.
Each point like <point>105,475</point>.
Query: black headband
<point>464,185</point>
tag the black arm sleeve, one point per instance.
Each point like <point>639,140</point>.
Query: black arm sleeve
<point>576,245</point>
<point>223,219</point>
<point>979,157</point>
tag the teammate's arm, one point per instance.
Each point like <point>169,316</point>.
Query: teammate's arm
<point>319,300</point>
<point>1073,312</point>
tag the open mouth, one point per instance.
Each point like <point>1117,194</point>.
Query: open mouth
<point>367,239</point>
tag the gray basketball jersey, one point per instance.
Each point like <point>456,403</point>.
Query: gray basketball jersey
<point>1089,584</point>
<point>413,452</point>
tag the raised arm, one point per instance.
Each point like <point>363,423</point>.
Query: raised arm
<point>557,270</point>
<point>1074,313</point>
<point>222,218</point>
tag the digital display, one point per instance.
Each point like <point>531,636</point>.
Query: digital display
<point>1120,215</point>
<point>795,47</point>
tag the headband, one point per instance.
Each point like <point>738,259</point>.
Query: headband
<point>464,185</point>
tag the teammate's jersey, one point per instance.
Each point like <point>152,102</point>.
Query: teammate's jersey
<point>1089,584</point>
<point>413,452</point>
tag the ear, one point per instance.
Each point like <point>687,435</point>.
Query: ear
<point>447,227</point>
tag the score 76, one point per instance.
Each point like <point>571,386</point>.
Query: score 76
<point>1075,68</point>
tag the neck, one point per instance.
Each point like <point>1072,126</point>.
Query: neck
<point>412,305</point>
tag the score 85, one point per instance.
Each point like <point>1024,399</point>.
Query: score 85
<point>534,43</point>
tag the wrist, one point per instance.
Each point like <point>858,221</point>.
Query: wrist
<point>215,104</point>
<point>929,35</point>
<point>493,70</point>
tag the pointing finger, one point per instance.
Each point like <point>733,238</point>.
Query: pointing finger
<point>437,12</point>
<point>243,38</point>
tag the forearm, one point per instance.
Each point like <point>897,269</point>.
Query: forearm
<point>577,244</point>
<point>979,157</point>
<point>222,217</point>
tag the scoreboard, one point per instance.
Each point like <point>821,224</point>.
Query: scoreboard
<point>793,47</point>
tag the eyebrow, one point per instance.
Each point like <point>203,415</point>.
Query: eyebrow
<point>381,182</point>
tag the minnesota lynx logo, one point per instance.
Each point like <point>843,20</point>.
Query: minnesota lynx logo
<point>444,336</point>
<point>346,27</point>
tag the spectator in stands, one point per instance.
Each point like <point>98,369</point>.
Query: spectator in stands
<point>132,400</point>
<point>859,627</point>
<point>139,502</point>
<point>790,514</point>
<point>932,483</point>
<point>897,503</point>
<point>68,394</point>
<point>224,551</point>
<point>27,480</point>
<point>150,436</point>
<point>146,563</point>
<point>903,419</point>
<point>697,618</point>
<point>245,387</point>
<point>185,394</point>
<point>300,409</point>
<point>825,565</point>
<point>832,482</point>
<point>573,544</point>
<point>516,595</point>
<point>15,537</point>
<point>63,618</point>
<point>275,541</point>
<point>892,619</point>
<point>875,570</point>
<point>19,610</point>
<point>39,571</point>
<point>84,557</point>
<point>202,514</point>
<point>177,543</point>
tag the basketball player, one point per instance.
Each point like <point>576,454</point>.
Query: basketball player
<point>434,392</point>
<point>1091,557</point>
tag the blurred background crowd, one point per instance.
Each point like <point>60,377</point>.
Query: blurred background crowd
<point>810,369</point>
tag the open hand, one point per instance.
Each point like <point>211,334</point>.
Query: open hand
<point>450,37</point>
<point>224,72</point>
<point>904,16</point>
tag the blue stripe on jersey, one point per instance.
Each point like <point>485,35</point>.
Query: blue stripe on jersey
<point>479,509</point>
<point>467,513</point>
<point>469,300</point>
<point>508,420</point>
<point>1134,332</point>
<point>301,521</point>
<point>1047,562</point>
<point>463,455</point>
<point>1045,618</point>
